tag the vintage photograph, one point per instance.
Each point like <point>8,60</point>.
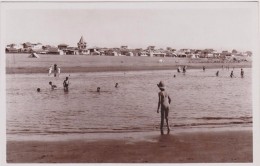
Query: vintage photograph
<point>129,82</point>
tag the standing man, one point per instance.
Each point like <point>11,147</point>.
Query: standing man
<point>242,73</point>
<point>55,70</point>
<point>164,102</point>
<point>184,69</point>
<point>66,84</point>
<point>58,71</point>
<point>232,74</point>
<point>179,69</point>
<point>217,73</point>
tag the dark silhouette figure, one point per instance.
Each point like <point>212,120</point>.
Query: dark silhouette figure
<point>66,84</point>
<point>232,74</point>
<point>242,73</point>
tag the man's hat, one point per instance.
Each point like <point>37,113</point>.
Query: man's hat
<point>161,85</point>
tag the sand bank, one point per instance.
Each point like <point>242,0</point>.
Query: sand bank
<point>190,147</point>
<point>16,63</point>
<point>24,70</point>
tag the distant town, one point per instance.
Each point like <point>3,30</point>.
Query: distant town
<point>150,51</point>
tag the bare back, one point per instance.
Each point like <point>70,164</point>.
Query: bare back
<point>164,100</point>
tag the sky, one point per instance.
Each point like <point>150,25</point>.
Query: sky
<point>218,25</point>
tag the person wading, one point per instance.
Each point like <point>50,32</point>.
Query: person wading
<point>164,102</point>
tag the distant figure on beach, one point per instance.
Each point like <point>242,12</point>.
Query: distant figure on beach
<point>232,74</point>
<point>116,85</point>
<point>164,102</point>
<point>217,73</point>
<point>38,89</point>
<point>58,71</point>
<point>184,69</point>
<point>52,86</point>
<point>98,89</point>
<point>174,75</point>
<point>66,84</point>
<point>50,70</point>
<point>179,69</point>
<point>222,67</point>
<point>55,70</point>
<point>242,73</point>
<point>204,68</point>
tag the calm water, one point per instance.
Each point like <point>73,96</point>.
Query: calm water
<point>199,100</point>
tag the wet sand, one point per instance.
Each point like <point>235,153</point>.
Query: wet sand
<point>189,147</point>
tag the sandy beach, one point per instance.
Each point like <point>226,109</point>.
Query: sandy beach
<point>20,63</point>
<point>189,147</point>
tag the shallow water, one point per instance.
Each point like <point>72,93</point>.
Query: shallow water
<point>199,100</point>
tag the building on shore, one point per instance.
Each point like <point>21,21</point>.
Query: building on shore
<point>27,45</point>
<point>124,47</point>
<point>11,50</point>
<point>82,46</point>
<point>54,50</point>
<point>94,51</point>
<point>62,46</point>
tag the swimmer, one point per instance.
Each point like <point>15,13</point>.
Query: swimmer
<point>204,68</point>
<point>174,75</point>
<point>52,86</point>
<point>38,89</point>
<point>116,85</point>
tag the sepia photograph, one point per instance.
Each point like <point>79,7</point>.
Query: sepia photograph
<point>129,82</point>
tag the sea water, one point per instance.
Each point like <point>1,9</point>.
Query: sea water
<point>199,100</point>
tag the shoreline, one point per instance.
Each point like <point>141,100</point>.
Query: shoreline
<point>16,63</point>
<point>226,146</point>
<point>31,70</point>
<point>133,135</point>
